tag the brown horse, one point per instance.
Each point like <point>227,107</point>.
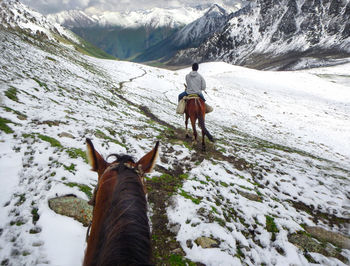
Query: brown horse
<point>120,233</point>
<point>195,109</point>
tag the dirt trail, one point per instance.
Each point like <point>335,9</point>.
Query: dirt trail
<point>166,250</point>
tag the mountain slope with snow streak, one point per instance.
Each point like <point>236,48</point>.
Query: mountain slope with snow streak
<point>280,163</point>
<point>191,35</point>
<point>269,34</point>
<point>14,14</point>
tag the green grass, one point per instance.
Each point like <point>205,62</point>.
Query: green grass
<point>52,141</point>
<point>246,188</point>
<point>11,93</point>
<point>19,223</point>
<point>270,224</point>
<point>102,135</point>
<point>41,84</point>
<point>188,146</point>
<point>271,227</point>
<point>21,200</point>
<point>239,253</point>
<point>214,210</point>
<point>177,260</point>
<point>4,127</point>
<point>184,176</point>
<point>187,196</point>
<point>51,59</point>
<point>70,168</point>
<point>84,188</point>
<point>223,184</point>
<point>168,182</point>
<point>75,153</point>
<point>8,109</point>
<point>35,214</point>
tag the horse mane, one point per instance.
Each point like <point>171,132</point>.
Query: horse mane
<point>125,236</point>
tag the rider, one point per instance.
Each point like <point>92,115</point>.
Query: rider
<point>195,83</point>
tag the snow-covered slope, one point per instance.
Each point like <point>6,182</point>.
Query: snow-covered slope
<point>73,18</point>
<point>268,33</point>
<point>194,33</point>
<point>17,17</point>
<point>14,14</point>
<point>280,163</point>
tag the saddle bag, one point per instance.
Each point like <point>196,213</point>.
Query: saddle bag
<point>181,107</point>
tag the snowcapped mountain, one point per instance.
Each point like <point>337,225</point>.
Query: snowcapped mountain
<point>191,35</point>
<point>146,34</point>
<point>127,34</point>
<point>194,33</point>
<point>73,18</point>
<point>277,175</point>
<point>17,17</point>
<point>153,18</point>
<point>15,14</point>
<point>268,33</point>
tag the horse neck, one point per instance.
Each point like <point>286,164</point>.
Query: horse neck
<point>124,236</point>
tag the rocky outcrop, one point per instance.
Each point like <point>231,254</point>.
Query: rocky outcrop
<point>328,236</point>
<point>307,244</point>
<point>72,206</point>
<point>206,242</point>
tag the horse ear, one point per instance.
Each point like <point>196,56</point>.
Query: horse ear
<point>95,159</point>
<point>147,162</point>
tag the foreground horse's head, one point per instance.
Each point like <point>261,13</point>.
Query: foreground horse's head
<point>120,233</point>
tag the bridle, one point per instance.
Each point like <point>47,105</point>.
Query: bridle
<point>138,170</point>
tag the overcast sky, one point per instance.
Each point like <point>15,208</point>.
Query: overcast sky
<point>54,6</point>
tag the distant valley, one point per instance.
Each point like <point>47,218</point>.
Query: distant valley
<point>261,34</point>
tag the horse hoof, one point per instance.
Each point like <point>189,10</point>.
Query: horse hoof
<point>187,136</point>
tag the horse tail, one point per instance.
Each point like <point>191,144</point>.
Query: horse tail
<point>200,112</point>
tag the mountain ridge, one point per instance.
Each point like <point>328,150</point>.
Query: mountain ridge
<point>155,17</point>
<point>128,35</point>
<point>271,30</point>
<point>190,35</point>
<point>15,15</point>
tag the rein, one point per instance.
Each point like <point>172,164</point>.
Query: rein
<point>88,232</point>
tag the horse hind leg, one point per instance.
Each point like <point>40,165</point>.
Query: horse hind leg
<point>203,140</point>
<point>194,138</point>
<point>186,124</point>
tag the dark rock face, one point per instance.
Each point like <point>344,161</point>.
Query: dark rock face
<point>268,30</point>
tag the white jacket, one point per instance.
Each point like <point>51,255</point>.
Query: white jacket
<point>195,83</point>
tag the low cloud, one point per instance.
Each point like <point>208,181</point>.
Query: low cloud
<point>54,6</point>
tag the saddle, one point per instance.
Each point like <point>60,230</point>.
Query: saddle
<point>191,96</point>
<point>182,104</point>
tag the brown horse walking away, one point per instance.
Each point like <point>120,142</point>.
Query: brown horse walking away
<point>195,109</point>
<point>120,233</point>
